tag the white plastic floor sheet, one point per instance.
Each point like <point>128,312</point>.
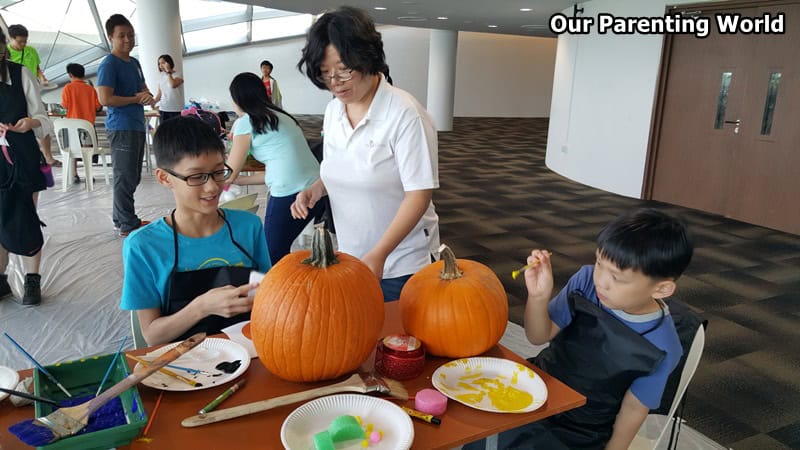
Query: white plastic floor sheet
<point>81,275</point>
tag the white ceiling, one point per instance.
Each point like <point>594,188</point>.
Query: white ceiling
<point>464,15</point>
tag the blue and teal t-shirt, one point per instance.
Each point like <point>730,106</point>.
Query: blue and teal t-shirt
<point>148,255</point>
<point>291,167</point>
<point>126,79</point>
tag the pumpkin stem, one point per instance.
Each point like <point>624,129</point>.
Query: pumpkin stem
<point>322,254</point>
<point>450,270</point>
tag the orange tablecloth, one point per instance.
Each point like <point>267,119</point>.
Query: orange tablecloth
<point>460,424</point>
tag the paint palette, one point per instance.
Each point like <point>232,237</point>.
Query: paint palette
<point>207,356</point>
<point>491,384</point>
<point>299,428</point>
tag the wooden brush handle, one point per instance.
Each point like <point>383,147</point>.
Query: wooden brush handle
<point>352,384</point>
<point>136,377</point>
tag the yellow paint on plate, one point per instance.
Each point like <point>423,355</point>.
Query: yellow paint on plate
<point>504,397</point>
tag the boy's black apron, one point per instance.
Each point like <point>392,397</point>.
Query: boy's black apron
<point>20,227</point>
<point>598,356</point>
<point>186,286</point>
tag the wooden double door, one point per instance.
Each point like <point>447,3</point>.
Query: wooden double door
<point>727,128</point>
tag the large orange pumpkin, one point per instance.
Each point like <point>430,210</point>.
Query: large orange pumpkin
<point>457,308</point>
<point>316,317</point>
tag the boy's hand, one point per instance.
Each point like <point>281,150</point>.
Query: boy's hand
<point>227,301</point>
<point>539,278</point>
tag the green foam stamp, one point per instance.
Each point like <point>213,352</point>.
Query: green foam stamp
<point>345,428</point>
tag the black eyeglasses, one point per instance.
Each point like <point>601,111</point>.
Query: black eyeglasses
<point>199,179</point>
<point>340,75</point>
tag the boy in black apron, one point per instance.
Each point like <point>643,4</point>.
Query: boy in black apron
<point>611,336</point>
<point>188,272</point>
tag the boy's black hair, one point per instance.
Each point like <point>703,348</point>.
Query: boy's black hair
<point>76,70</point>
<point>648,241</point>
<point>168,60</point>
<point>247,91</point>
<point>17,30</point>
<point>183,137</point>
<point>114,21</point>
<point>352,32</point>
<point>266,63</point>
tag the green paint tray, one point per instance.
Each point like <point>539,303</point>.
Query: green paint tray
<point>81,378</point>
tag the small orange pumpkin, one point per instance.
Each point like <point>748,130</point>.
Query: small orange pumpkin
<point>316,317</point>
<point>457,308</point>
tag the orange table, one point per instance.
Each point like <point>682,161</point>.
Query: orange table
<point>460,424</point>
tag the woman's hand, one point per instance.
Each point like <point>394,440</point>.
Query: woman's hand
<point>306,199</point>
<point>375,261</point>
<point>22,126</point>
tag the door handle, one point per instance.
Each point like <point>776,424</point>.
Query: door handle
<point>736,122</point>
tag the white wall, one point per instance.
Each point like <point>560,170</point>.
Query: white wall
<point>504,75</point>
<point>497,76</point>
<point>603,100</point>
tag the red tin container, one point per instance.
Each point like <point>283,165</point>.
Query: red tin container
<point>400,357</point>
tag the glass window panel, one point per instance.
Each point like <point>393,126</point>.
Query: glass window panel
<point>281,27</point>
<point>105,8</point>
<point>722,100</point>
<point>769,104</point>
<point>215,37</point>
<point>200,9</point>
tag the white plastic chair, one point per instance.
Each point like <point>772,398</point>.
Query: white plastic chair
<point>655,426</point>
<point>77,150</point>
<point>136,332</point>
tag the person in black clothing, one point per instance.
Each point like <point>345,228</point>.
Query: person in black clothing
<point>21,111</point>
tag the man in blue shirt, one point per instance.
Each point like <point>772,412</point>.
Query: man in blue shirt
<point>121,88</point>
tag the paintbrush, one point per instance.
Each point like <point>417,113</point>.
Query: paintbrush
<point>65,422</point>
<point>111,366</point>
<point>29,396</point>
<point>38,366</point>
<point>364,383</point>
<point>535,263</point>
<point>166,371</point>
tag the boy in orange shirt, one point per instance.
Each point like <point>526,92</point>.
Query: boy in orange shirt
<point>81,102</point>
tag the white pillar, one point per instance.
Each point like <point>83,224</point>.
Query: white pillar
<point>158,32</point>
<point>442,77</point>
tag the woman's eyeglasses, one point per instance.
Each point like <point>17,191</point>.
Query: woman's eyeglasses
<point>199,179</point>
<point>342,76</point>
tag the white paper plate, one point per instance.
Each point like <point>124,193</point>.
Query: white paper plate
<point>205,357</point>
<point>240,333</point>
<point>491,384</point>
<point>8,379</point>
<point>298,430</point>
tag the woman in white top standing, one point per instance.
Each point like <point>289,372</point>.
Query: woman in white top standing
<point>380,163</point>
<point>170,89</point>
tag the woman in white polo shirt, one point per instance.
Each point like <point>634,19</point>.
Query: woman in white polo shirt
<point>380,159</point>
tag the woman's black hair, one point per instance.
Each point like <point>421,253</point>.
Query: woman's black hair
<point>248,92</point>
<point>352,32</point>
<point>648,241</point>
<point>168,60</point>
<point>184,137</point>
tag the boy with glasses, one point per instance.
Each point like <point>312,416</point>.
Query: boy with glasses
<point>189,272</point>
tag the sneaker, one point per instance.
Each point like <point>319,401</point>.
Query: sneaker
<point>5,288</point>
<point>141,224</point>
<point>33,290</point>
